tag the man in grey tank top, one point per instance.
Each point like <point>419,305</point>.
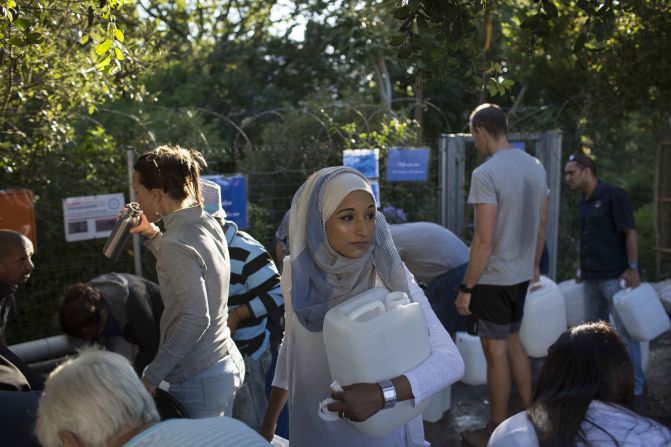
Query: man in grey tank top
<point>509,194</point>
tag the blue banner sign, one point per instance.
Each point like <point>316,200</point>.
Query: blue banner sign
<point>364,160</point>
<point>375,186</point>
<point>233,197</point>
<point>408,164</point>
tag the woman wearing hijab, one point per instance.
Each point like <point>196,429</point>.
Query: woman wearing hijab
<point>340,247</point>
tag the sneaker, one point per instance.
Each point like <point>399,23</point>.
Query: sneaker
<point>479,437</point>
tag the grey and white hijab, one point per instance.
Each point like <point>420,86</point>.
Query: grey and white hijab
<point>321,278</point>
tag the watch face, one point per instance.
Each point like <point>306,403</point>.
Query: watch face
<point>389,393</point>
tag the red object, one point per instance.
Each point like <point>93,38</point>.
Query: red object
<point>17,212</point>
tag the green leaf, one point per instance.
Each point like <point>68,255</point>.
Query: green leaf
<point>404,52</point>
<point>33,38</point>
<point>550,9</point>
<point>531,22</point>
<point>118,34</point>
<point>84,40</point>
<point>397,40</point>
<point>103,47</point>
<point>91,109</point>
<point>22,24</point>
<point>415,40</point>
<point>422,24</point>
<point>402,13</point>
<point>104,63</point>
<point>413,5</point>
<point>493,88</point>
<point>2,36</point>
<point>15,40</point>
<point>580,43</point>
<point>119,54</point>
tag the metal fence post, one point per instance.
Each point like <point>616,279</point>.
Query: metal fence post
<point>552,159</point>
<point>137,244</point>
<point>442,178</point>
<point>454,172</point>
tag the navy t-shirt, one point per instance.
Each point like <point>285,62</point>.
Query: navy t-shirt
<point>603,219</point>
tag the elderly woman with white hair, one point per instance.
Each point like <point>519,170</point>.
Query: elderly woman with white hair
<point>97,400</point>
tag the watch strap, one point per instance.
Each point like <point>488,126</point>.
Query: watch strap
<point>388,393</point>
<point>463,288</point>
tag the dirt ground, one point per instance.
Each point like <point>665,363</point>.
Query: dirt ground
<point>470,407</point>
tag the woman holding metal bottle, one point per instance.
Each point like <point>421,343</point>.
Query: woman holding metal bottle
<point>197,356</point>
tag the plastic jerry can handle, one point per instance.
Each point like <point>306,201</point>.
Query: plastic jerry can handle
<point>395,299</point>
<point>326,414</point>
<point>368,307</point>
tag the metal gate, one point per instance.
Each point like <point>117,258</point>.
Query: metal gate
<point>547,147</point>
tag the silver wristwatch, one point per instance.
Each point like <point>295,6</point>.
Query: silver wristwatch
<point>389,393</point>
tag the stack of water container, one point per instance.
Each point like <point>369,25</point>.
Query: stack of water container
<point>550,308</point>
<point>544,320</point>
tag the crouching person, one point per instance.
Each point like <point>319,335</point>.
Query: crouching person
<point>97,400</point>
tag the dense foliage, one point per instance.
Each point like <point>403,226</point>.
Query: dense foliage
<point>275,89</point>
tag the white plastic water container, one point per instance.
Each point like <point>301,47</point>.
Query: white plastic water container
<point>544,318</point>
<point>574,298</point>
<point>373,336</point>
<point>641,312</point>
<point>440,403</point>
<point>645,354</point>
<point>475,364</point>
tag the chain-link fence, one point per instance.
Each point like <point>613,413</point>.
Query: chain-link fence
<point>273,175</point>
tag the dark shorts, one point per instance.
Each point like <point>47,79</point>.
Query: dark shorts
<point>496,311</point>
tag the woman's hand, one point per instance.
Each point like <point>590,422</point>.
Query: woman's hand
<point>358,402</point>
<point>267,430</point>
<point>148,386</point>
<point>145,228</point>
<point>278,397</point>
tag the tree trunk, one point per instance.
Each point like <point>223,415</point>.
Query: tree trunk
<point>419,106</point>
<point>383,82</point>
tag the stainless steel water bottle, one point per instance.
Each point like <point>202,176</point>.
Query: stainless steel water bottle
<point>120,233</point>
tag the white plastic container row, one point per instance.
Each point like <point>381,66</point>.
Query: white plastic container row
<point>551,308</point>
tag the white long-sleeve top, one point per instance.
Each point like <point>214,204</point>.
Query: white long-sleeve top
<point>302,369</point>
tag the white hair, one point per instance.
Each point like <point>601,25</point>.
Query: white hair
<point>94,396</point>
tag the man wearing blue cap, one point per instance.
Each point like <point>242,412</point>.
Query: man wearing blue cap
<point>255,303</point>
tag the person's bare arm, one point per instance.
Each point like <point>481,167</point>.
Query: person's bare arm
<point>631,276</point>
<point>481,250</point>
<point>278,398</point>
